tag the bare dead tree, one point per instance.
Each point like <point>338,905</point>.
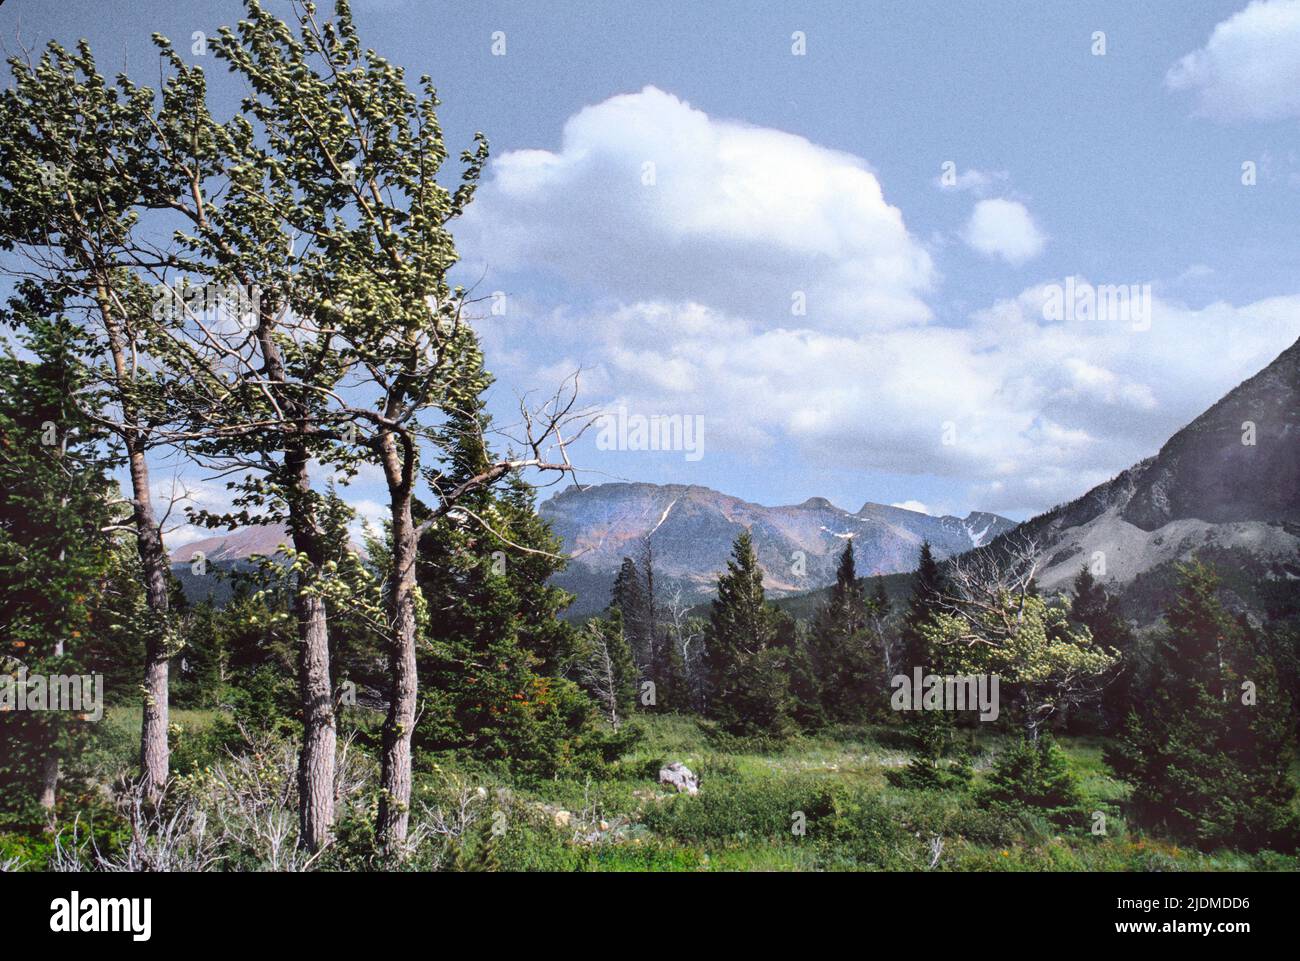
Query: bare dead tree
<point>881,632</point>
<point>597,674</point>
<point>686,634</point>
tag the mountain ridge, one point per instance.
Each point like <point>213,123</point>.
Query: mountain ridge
<point>692,527</point>
<point>1227,481</point>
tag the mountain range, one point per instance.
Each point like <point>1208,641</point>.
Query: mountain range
<point>691,530</point>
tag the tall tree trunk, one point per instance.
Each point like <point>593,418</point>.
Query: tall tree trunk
<point>315,688</point>
<point>319,736</point>
<point>154,749</point>
<point>395,774</point>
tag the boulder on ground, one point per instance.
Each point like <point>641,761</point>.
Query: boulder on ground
<point>678,775</point>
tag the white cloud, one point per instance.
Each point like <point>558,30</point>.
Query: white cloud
<point>669,311</point>
<point>768,216</point>
<point>1249,69</point>
<point>1003,228</point>
<point>1041,410</point>
<point>369,520</point>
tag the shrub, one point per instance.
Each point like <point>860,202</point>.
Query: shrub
<point>1036,775</point>
<point>741,811</point>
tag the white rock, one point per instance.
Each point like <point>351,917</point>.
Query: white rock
<point>678,775</point>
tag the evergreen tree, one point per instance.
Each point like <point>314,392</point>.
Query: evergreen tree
<point>54,552</point>
<point>807,706</point>
<point>1207,750</point>
<point>1036,774</point>
<point>933,733</point>
<point>628,598</point>
<point>1096,610</point>
<point>747,691</point>
<point>203,666</point>
<point>657,657</point>
<point>648,627</point>
<point>880,604</point>
<point>927,588</point>
<point>843,652</point>
<point>489,673</point>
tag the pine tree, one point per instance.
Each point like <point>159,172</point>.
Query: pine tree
<point>1035,774</point>
<point>628,598</point>
<point>54,552</point>
<point>489,684</point>
<point>927,587</point>
<point>1098,611</point>
<point>843,652</point>
<point>933,733</point>
<point>747,691</point>
<point>807,704</point>
<point>662,667</point>
<point>1206,750</point>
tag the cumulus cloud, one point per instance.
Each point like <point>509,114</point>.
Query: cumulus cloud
<point>1024,411</point>
<point>1017,408</point>
<point>1004,228</point>
<point>646,194</point>
<point>1249,69</point>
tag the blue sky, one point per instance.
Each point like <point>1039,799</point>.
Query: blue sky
<point>923,369</point>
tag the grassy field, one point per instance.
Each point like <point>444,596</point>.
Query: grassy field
<point>745,814</point>
<point>812,804</point>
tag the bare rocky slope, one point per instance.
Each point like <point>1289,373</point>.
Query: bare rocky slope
<point>1226,488</point>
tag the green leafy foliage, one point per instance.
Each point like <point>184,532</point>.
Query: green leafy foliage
<point>55,555</point>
